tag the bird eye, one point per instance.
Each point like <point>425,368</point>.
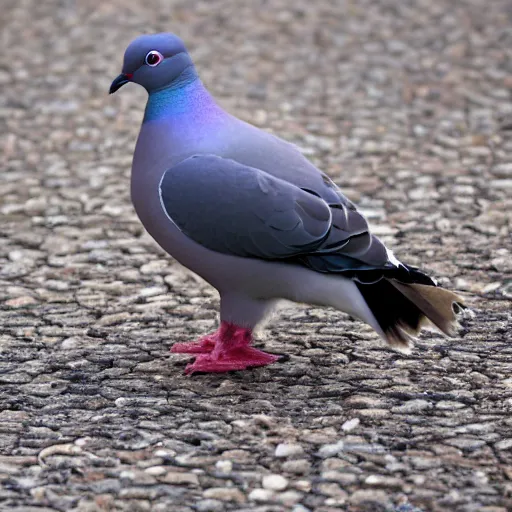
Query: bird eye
<point>153,58</point>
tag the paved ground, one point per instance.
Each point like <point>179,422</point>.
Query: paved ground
<point>406,104</point>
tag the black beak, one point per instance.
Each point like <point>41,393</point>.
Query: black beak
<point>122,79</point>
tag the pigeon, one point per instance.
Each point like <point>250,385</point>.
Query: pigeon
<point>251,215</point>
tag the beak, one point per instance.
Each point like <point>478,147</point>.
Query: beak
<point>122,79</point>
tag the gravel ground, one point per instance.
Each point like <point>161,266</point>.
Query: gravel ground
<point>406,104</point>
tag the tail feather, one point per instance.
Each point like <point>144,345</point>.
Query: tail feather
<point>437,304</point>
<point>403,309</point>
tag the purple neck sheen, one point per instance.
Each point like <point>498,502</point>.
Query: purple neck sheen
<point>188,98</point>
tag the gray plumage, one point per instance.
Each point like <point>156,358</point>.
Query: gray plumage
<point>250,214</point>
<point>266,217</point>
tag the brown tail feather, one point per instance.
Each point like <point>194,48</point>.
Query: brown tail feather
<point>437,304</point>
<point>403,309</point>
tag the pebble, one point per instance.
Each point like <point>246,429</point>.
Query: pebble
<point>422,463</point>
<point>503,170</point>
<point>505,444</point>
<point>300,508</point>
<point>342,478</point>
<point>466,443</point>
<point>384,481</point>
<point>449,405</point>
<point>297,467</point>
<point>501,184</point>
<point>412,406</point>
<point>154,267</point>
<point>288,498</point>
<point>224,466</point>
<point>261,495</point>
<point>369,497</point>
<point>274,482</point>
<point>209,505</point>
<point>333,490</point>
<point>175,477</point>
<point>288,450</point>
<point>20,302</point>
<point>225,494</point>
<point>156,470</point>
<point>350,424</point>
<point>303,485</point>
<point>330,450</point>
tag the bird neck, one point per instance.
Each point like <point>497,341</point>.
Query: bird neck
<point>185,96</point>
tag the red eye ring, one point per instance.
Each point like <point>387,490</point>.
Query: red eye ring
<point>153,58</point>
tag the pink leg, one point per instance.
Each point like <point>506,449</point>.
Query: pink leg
<point>231,350</point>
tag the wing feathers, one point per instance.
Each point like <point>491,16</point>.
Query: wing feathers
<point>240,210</point>
<point>235,209</point>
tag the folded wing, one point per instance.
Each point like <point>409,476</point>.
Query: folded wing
<point>240,210</point>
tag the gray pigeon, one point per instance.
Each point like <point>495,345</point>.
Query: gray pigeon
<point>251,215</point>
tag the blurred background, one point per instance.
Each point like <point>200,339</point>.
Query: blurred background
<point>406,105</point>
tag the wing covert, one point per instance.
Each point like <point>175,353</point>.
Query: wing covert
<point>235,209</point>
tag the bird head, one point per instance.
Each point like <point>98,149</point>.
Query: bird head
<point>154,61</point>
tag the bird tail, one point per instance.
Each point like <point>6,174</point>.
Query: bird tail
<point>402,309</point>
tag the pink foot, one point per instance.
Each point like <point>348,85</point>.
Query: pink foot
<point>234,359</point>
<point>202,346</point>
<point>225,350</point>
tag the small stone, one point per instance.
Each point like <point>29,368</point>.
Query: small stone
<point>114,319</point>
<point>501,184</point>
<point>225,494</point>
<point>375,413</point>
<point>209,506</point>
<point>240,456</point>
<point>175,477</point>
<point>151,291</point>
<point>342,478</point>
<point>275,482</point>
<point>503,170</point>
<point>303,485</point>
<point>466,443</point>
<point>333,490</point>
<point>371,498</point>
<point>156,470</point>
<point>261,495</point>
<point>449,405</point>
<point>288,450</point>
<point>297,467</point>
<point>505,444</point>
<point>121,402</point>
<point>224,466</point>
<point>264,420</point>
<point>383,481</point>
<point>155,267</point>
<point>289,498</point>
<point>20,302</point>
<point>423,463</point>
<point>350,424</point>
<point>300,508</point>
<point>140,477</point>
<point>412,406</point>
<point>330,450</point>
<point>419,130</point>
<point>71,343</point>
<point>165,453</point>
